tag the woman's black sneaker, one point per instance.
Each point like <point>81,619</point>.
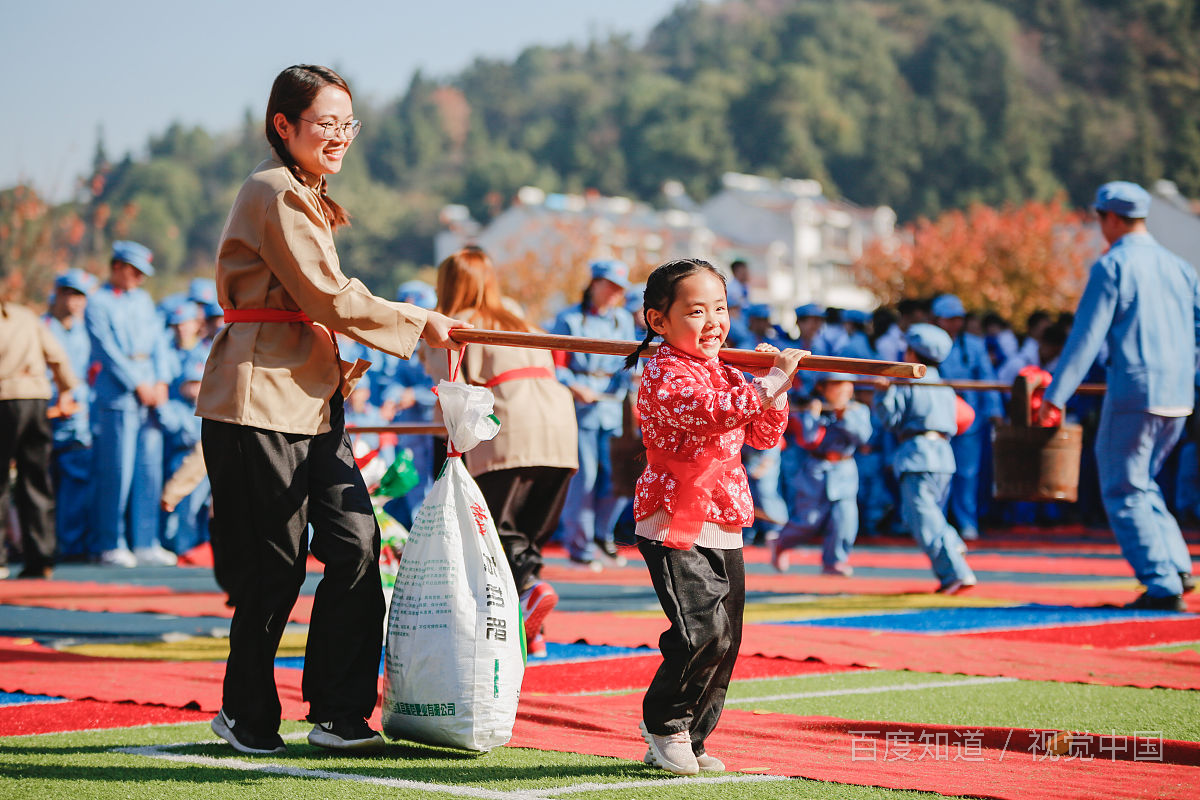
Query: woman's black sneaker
<point>245,741</point>
<point>346,733</point>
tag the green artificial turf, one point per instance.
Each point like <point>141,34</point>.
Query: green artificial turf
<point>85,766</point>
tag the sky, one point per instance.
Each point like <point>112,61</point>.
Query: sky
<point>130,68</point>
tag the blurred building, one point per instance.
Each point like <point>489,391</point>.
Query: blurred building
<point>1175,221</point>
<point>798,244</point>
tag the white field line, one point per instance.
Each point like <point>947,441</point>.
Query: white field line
<point>161,752</point>
<point>895,687</point>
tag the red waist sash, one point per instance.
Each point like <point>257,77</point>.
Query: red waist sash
<point>265,315</point>
<point>520,373</point>
<point>694,486</point>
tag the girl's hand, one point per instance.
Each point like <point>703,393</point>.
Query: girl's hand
<point>789,360</point>
<point>436,332</point>
<point>764,347</point>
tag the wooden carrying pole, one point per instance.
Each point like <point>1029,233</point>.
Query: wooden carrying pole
<point>743,359</point>
<point>965,385</point>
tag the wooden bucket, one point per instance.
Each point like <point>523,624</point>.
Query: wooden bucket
<point>1030,463</point>
<point>1036,463</point>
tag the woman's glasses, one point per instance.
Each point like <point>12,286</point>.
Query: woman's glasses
<point>333,130</point>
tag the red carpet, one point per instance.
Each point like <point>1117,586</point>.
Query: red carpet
<point>922,653</point>
<point>154,600</point>
<point>976,762</point>
<point>79,715</point>
<point>33,669</point>
<point>18,592</point>
<point>634,673</point>
<point>1109,635</point>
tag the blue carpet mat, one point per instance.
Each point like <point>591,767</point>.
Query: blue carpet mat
<point>965,620</point>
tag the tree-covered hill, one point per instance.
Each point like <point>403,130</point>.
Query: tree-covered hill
<point>923,105</point>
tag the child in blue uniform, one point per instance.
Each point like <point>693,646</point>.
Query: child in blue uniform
<point>831,428</point>
<point>924,419</point>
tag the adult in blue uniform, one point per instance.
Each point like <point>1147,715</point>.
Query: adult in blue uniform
<point>968,359</point>
<point>132,368</point>
<point>71,460</point>
<point>763,467</point>
<point>1144,301</point>
<point>833,427</point>
<point>598,384</point>
<point>924,419</point>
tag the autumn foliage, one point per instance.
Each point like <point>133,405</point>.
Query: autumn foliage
<point>1013,260</point>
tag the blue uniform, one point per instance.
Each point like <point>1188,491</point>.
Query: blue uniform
<point>129,348</point>
<point>923,420</point>
<point>1144,302</point>
<point>826,495</point>
<point>969,359</point>
<point>591,510</point>
<point>71,460</point>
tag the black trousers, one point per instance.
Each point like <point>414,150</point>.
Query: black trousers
<point>267,487</point>
<point>25,437</point>
<point>526,503</point>
<point>703,592</point>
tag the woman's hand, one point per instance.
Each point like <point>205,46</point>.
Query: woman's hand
<point>436,332</point>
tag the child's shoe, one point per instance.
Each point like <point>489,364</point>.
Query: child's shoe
<point>537,646</point>
<point>673,753</point>
<point>957,585</point>
<point>536,602</point>
<point>840,568</point>
<point>706,762</point>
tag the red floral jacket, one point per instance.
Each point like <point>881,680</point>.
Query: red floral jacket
<point>698,412</point>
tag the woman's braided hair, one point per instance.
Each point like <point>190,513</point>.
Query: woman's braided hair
<point>660,294</point>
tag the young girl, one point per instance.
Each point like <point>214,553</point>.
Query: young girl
<point>692,501</point>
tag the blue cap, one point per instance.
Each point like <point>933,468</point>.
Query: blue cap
<point>202,291</point>
<point>134,254</point>
<point>947,306</point>
<point>836,376</point>
<point>187,310</point>
<point>855,316</point>
<point>810,310</point>
<point>418,293</point>
<point>758,310</point>
<point>610,269</point>
<point>929,341</point>
<point>213,310</point>
<point>171,302</point>
<point>1124,199</point>
<point>76,279</point>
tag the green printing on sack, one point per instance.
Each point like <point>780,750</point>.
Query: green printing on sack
<point>424,709</point>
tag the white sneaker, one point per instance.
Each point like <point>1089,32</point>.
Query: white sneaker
<point>706,762</point>
<point>118,557</point>
<point>155,556</point>
<point>673,753</point>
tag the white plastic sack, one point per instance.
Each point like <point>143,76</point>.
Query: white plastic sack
<point>454,666</point>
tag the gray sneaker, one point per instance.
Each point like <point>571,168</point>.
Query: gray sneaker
<point>673,752</point>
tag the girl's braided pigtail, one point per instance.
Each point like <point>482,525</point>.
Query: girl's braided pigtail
<point>632,358</point>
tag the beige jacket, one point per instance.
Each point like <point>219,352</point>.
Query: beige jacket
<point>27,347</point>
<point>537,415</point>
<point>277,252</point>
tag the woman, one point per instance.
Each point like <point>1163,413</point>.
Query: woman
<point>273,432</point>
<point>523,472</point>
<point>598,386</point>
